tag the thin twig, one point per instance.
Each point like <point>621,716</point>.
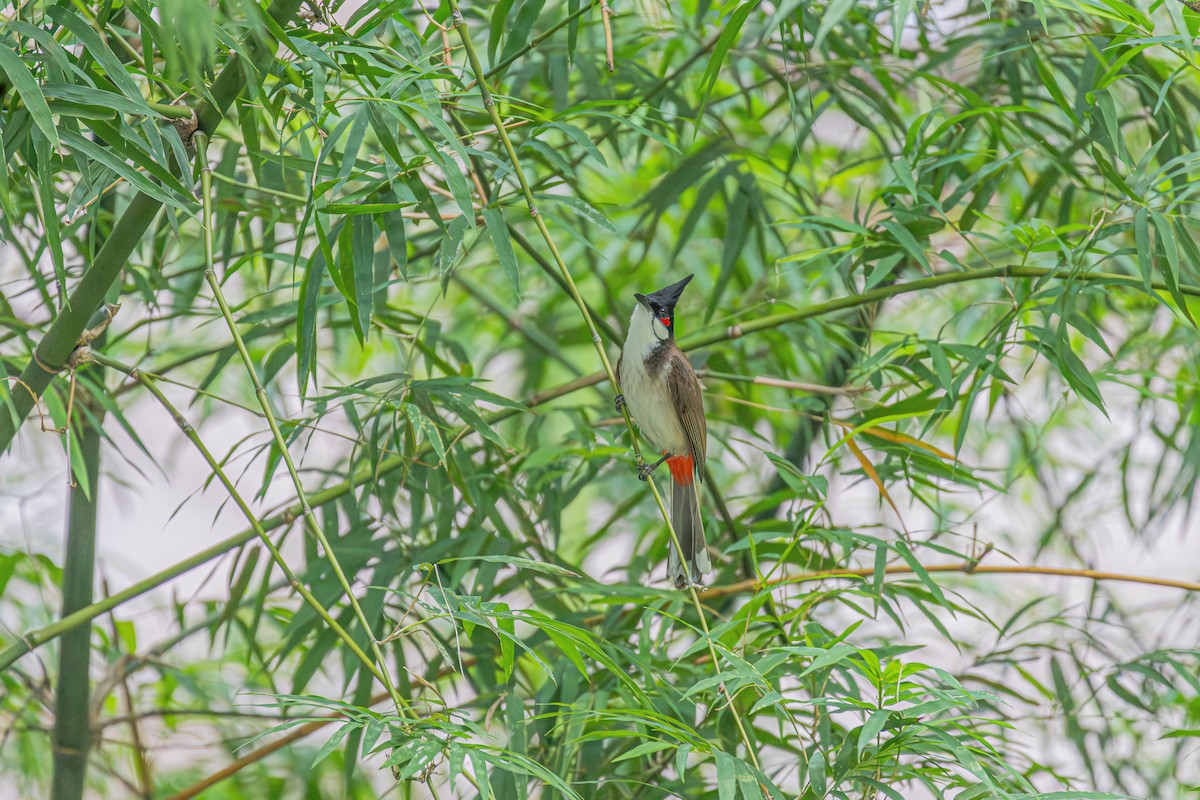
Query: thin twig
<point>800,386</point>
<point>605,13</point>
<point>140,761</point>
<point>965,568</point>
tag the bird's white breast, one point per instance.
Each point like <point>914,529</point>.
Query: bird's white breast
<point>649,397</point>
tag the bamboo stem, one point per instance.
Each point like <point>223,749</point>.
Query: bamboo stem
<point>72,721</point>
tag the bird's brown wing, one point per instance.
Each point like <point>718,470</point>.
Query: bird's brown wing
<point>686,394</point>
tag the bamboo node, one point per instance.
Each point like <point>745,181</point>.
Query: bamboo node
<point>98,324</point>
<point>533,211</point>
<point>186,128</point>
<point>79,356</point>
<point>45,367</point>
<point>735,331</point>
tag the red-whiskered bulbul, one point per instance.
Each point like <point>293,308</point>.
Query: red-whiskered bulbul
<point>663,394</point>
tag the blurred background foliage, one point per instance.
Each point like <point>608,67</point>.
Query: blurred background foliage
<point>946,282</point>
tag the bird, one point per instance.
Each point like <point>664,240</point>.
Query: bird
<point>664,396</point>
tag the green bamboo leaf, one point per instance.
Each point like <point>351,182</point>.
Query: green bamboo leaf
<point>29,92</point>
<point>726,775</point>
<point>730,33</point>
<point>333,741</point>
<point>739,221</point>
<point>907,241</point>
<point>872,728</point>
<point>581,138</point>
<point>883,269</point>
<point>79,472</point>
<point>1076,372</point>
<point>1145,250</point>
<point>105,57</point>
<point>392,223</point>
<point>51,226</point>
<point>501,13</point>
<point>519,562</point>
<point>498,231</point>
<point>104,104</point>
<point>356,209</point>
<point>306,320</point>
<point>517,28</point>
<point>833,15</point>
<point>135,177</point>
<point>1182,733</point>
<point>941,367</point>
<point>363,247</point>
<point>816,773</point>
<point>919,570</point>
<point>644,749</point>
<point>877,577</point>
<point>427,430</point>
<point>276,359</point>
<point>827,658</point>
<point>1172,269</point>
<point>451,169</point>
<point>584,209</point>
<point>699,205</point>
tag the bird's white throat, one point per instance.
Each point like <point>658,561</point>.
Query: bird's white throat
<point>645,333</point>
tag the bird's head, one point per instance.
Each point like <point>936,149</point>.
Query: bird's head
<point>661,306</point>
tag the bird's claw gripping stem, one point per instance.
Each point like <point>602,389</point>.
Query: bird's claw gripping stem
<point>619,402</point>
<point>644,469</point>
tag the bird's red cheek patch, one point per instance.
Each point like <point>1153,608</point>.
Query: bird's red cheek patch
<point>665,321</point>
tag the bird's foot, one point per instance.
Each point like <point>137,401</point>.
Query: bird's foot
<point>645,469</point>
<point>682,585</point>
<point>619,402</point>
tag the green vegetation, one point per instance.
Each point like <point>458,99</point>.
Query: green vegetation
<point>945,311</point>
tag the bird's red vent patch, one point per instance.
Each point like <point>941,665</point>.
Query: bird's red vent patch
<point>665,321</point>
<point>681,468</point>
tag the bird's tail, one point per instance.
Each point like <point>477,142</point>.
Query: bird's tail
<point>689,527</point>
